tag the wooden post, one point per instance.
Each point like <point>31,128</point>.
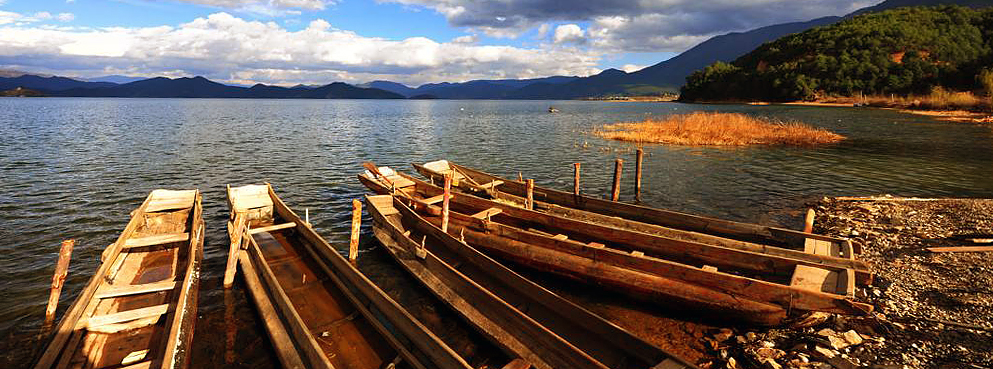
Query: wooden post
<point>444,202</point>
<point>615,194</point>
<point>637,174</point>
<point>529,203</point>
<point>808,223</point>
<point>353,244</point>
<point>58,279</point>
<point>575,181</point>
<point>520,177</point>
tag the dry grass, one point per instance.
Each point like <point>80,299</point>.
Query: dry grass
<point>938,99</point>
<point>728,129</point>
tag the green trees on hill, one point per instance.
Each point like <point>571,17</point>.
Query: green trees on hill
<point>900,51</point>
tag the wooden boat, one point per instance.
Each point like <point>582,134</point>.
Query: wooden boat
<point>755,287</point>
<point>547,199</point>
<point>523,318</point>
<point>139,307</point>
<point>318,309</point>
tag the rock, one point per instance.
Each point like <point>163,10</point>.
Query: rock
<point>723,335</point>
<point>751,336</point>
<point>825,352</point>
<point>767,344</point>
<point>771,364</point>
<point>853,337</point>
<point>826,332</point>
<point>812,319</point>
<point>770,353</point>
<point>837,342</point>
<point>732,364</point>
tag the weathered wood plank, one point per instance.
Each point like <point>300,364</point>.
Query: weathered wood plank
<point>159,239</point>
<point>487,213</point>
<point>118,291</point>
<point>961,249</point>
<point>272,228</point>
<point>128,315</point>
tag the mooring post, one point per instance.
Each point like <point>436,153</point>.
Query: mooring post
<point>637,174</point>
<point>520,176</point>
<point>530,195</point>
<point>444,203</point>
<point>808,223</point>
<point>575,180</point>
<point>615,194</point>
<point>353,244</point>
<point>58,279</point>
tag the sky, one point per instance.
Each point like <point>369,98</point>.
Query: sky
<point>288,42</point>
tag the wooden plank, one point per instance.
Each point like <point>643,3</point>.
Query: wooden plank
<point>128,315</point>
<point>491,184</point>
<point>518,363</point>
<point>158,239</point>
<point>818,279</point>
<point>560,237</point>
<point>163,200</point>
<point>485,214</point>
<point>235,233</point>
<point>961,249</point>
<point>136,289</point>
<point>282,343</point>
<point>272,228</point>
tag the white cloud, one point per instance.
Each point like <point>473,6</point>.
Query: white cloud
<point>43,15</point>
<point>225,47</point>
<point>569,33</point>
<point>467,39</point>
<point>65,17</point>
<point>542,30</point>
<point>632,67</point>
<point>644,25</point>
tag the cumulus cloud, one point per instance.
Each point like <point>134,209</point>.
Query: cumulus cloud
<point>569,33</point>
<point>225,47</point>
<point>65,17</point>
<point>648,25</point>
<point>268,8</point>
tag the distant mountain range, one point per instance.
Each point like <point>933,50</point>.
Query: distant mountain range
<point>666,76</point>
<point>187,87</point>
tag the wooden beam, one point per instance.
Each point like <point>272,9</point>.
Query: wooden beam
<point>58,279</point>
<point>280,338</point>
<point>445,202</point>
<point>158,239</point>
<point>353,240</point>
<point>615,193</point>
<point>529,203</point>
<point>490,185</point>
<point>575,180</point>
<point>136,289</point>
<point>272,228</point>
<point>124,316</point>
<point>486,214</point>
<point>518,363</point>
<point>637,173</point>
<point>808,222</point>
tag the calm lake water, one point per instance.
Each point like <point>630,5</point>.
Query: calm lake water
<point>75,168</point>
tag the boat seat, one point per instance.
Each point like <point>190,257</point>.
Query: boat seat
<point>136,289</point>
<point>272,228</point>
<point>820,279</point>
<point>159,239</point>
<point>163,200</point>
<point>491,185</point>
<point>487,213</point>
<point>249,197</point>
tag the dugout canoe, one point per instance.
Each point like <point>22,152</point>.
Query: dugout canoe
<point>476,181</point>
<point>518,315</point>
<point>811,250</point>
<point>701,275</point>
<point>138,309</point>
<point>318,309</point>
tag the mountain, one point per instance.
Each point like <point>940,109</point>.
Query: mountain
<point>116,78</point>
<point>671,74</point>
<point>40,83</point>
<point>200,87</point>
<point>476,89</point>
<point>907,50</point>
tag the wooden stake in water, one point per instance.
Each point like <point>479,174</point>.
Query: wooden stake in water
<point>529,203</point>
<point>520,177</point>
<point>575,180</point>
<point>808,223</point>
<point>637,174</point>
<point>615,194</point>
<point>353,244</point>
<point>58,279</point>
<point>444,202</point>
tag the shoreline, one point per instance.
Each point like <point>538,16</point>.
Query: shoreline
<point>957,115</point>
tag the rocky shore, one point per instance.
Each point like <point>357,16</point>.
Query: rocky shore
<point>932,309</point>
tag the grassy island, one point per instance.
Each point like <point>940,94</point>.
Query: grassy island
<point>724,129</point>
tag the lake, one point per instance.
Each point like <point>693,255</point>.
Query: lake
<point>75,167</point>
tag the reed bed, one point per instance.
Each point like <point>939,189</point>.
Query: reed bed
<point>724,129</point>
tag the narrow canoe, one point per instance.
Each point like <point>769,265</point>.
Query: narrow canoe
<point>479,181</point>
<point>318,309</point>
<point>812,252</point>
<point>518,315</point>
<point>139,307</point>
<point>673,272</point>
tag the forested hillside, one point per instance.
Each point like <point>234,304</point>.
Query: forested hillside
<point>900,51</point>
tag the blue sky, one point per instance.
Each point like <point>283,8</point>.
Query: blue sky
<point>409,41</point>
